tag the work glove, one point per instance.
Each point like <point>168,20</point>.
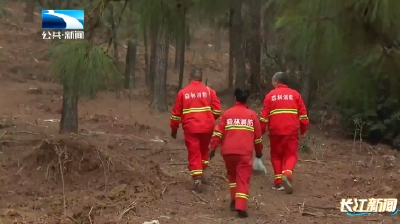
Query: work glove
<point>259,155</point>
<point>173,134</point>
<point>212,154</point>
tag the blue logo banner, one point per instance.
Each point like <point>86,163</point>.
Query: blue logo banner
<point>368,213</point>
<point>63,19</point>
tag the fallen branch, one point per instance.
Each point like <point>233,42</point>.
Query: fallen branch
<point>60,153</point>
<point>130,207</point>
<point>19,171</point>
<point>184,203</point>
<point>72,219</point>
<point>257,203</point>
<point>312,214</point>
<point>199,197</point>
<point>90,219</point>
<point>311,161</point>
<point>25,132</point>
<point>104,169</point>
<point>318,214</point>
<point>2,135</point>
<point>7,141</point>
<point>319,207</point>
<point>47,174</point>
<point>166,187</point>
<point>286,207</point>
<point>177,164</point>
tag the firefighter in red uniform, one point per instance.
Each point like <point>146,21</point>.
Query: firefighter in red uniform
<point>284,113</point>
<point>196,107</point>
<point>240,133</point>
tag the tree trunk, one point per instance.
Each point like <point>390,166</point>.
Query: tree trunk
<point>69,112</point>
<point>159,97</point>
<point>182,48</point>
<point>231,54</point>
<point>113,33</point>
<point>153,51</point>
<point>238,43</point>
<point>181,61</point>
<point>146,57</point>
<point>130,62</point>
<point>254,46</point>
<point>305,82</point>
<point>29,10</point>
<point>187,35</point>
<point>176,63</point>
<point>217,36</point>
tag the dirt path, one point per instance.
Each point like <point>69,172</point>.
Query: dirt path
<point>157,179</point>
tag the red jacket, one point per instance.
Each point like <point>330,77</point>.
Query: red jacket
<point>196,107</point>
<point>284,112</point>
<point>239,130</point>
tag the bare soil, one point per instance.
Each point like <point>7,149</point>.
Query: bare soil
<point>124,168</point>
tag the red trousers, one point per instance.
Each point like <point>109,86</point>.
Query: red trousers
<point>198,152</point>
<point>239,169</point>
<point>283,155</point>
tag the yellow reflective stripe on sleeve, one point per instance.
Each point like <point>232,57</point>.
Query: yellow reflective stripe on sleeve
<point>204,161</point>
<point>196,110</point>
<point>239,127</point>
<point>263,120</point>
<point>231,185</point>
<point>216,133</point>
<point>216,112</point>
<point>303,117</point>
<point>196,172</point>
<point>173,117</point>
<point>283,111</point>
<point>257,141</point>
<point>241,195</point>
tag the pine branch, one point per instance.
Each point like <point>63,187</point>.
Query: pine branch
<point>116,26</point>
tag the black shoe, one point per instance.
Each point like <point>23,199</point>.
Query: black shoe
<point>198,187</point>
<point>232,206</point>
<point>287,184</point>
<point>242,214</point>
<point>277,187</point>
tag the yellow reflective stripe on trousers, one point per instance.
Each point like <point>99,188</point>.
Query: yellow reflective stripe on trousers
<point>278,176</point>
<point>173,117</point>
<point>196,110</point>
<point>239,127</point>
<point>283,111</point>
<point>232,185</point>
<point>241,195</point>
<point>196,172</point>
<point>263,119</point>
<point>257,141</point>
<point>289,171</point>
<point>216,112</point>
<point>303,117</point>
<point>216,133</point>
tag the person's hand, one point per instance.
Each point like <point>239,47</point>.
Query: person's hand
<point>173,134</point>
<point>259,155</point>
<point>212,154</point>
<point>303,135</point>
